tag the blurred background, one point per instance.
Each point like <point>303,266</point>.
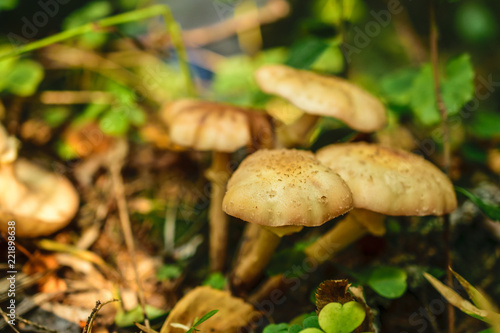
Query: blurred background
<point>70,101</point>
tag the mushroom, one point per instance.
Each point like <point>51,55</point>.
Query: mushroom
<point>323,96</point>
<point>222,129</point>
<point>276,190</point>
<point>384,181</point>
<point>39,201</point>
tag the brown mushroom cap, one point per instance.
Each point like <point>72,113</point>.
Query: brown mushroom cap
<point>209,126</point>
<point>390,181</point>
<point>285,187</point>
<point>39,201</point>
<point>324,96</point>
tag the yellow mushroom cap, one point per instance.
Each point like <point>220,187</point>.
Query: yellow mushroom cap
<point>285,187</point>
<point>39,201</point>
<point>324,96</point>
<point>210,126</point>
<point>390,181</point>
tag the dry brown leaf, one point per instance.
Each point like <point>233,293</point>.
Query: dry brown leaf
<point>233,313</point>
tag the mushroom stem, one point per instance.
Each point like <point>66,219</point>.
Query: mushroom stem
<point>297,133</point>
<point>255,253</point>
<point>355,225</point>
<point>218,176</point>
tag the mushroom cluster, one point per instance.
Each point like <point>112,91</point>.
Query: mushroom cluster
<point>282,191</point>
<point>383,181</point>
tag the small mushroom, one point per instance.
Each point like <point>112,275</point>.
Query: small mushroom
<point>232,316</point>
<point>222,129</point>
<point>383,181</point>
<point>324,96</point>
<point>39,201</point>
<point>278,189</point>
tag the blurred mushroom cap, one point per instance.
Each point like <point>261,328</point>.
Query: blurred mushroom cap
<point>212,126</point>
<point>285,187</point>
<point>40,202</point>
<point>233,312</point>
<point>390,181</point>
<point>8,147</point>
<point>324,96</point>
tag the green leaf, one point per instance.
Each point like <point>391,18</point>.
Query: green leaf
<point>55,116</point>
<point>485,125</point>
<point>397,86</point>
<point>169,272</point>
<point>276,328</point>
<point>114,122</point>
<point>493,212</point>
<point>423,98</point>
<point>304,53</point>
<point>203,319</point>
<point>8,4</point>
<point>330,61</point>
<point>457,88</point>
<point>24,78</point>
<point>88,13</point>
<point>135,114</point>
<point>311,330</point>
<point>338,318</point>
<point>234,80</point>
<point>311,322</point>
<point>124,319</point>
<point>475,22</point>
<point>389,282</point>
<point>455,299</point>
<point>476,297</point>
<point>334,12</point>
<point>215,280</point>
<point>295,328</point>
<point>89,114</point>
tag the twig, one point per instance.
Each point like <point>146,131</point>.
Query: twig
<point>446,151</point>
<point>76,97</point>
<point>169,228</point>
<point>36,325</point>
<point>93,314</point>
<point>4,315</point>
<point>410,40</point>
<point>271,12</point>
<point>115,170</point>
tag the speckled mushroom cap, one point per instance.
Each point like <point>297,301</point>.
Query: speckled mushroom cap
<point>390,181</point>
<point>210,126</point>
<point>324,96</point>
<point>40,202</point>
<point>284,187</point>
